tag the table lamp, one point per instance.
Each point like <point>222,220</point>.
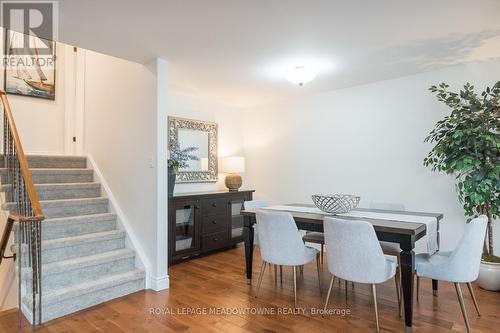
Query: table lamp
<point>232,166</point>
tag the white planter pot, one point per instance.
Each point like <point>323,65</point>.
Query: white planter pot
<point>489,276</point>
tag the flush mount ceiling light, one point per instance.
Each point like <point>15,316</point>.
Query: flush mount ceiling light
<point>298,69</point>
<point>301,74</point>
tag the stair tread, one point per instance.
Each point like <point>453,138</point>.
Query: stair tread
<point>87,287</point>
<point>69,201</point>
<point>54,221</point>
<point>60,185</point>
<point>80,218</point>
<point>84,184</point>
<point>56,175</point>
<point>86,238</point>
<point>56,161</point>
<point>49,170</point>
<point>65,157</point>
<point>79,262</point>
<point>74,200</point>
<point>56,157</point>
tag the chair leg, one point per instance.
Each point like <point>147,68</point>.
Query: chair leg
<point>275,274</point>
<point>398,293</point>
<point>322,253</point>
<point>469,285</point>
<point>261,275</point>
<point>374,292</point>
<point>281,274</point>
<point>400,288</point>
<point>318,267</point>
<point>295,286</point>
<point>332,281</point>
<point>418,287</point>
<point>462,305</point>
<point>301,269</point>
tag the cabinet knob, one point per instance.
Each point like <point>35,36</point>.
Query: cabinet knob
<point>214,222</point>
<point>215,239</point>
<point>196,207</point>
<point>214,205</point>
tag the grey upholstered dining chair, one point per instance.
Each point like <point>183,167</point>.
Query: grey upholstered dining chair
<point>459,266</point>
<point>316,238</point>
<point>281,244</point>
<point>354,254</point>
<point>392,249</point>
<point>256,204</point>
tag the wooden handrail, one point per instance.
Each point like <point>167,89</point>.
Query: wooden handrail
<point>23,163</point>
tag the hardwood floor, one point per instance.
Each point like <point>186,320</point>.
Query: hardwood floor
<point>217,283</point>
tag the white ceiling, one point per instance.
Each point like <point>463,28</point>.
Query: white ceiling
<point>229,50</point>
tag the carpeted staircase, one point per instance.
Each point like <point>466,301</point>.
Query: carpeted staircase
<point>84,258</point>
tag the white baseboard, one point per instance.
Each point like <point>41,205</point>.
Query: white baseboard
<point>124,224</point>
<point>160,283</point>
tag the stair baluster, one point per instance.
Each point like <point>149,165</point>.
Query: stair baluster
<point>26,213</point>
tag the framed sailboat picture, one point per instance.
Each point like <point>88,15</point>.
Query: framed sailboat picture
<point>30,66</point>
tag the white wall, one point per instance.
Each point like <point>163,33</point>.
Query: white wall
<point>366,140</point>
<point>121,118</point>
<point>230,126</point>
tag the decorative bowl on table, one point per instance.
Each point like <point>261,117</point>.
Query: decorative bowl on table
<point>336,203</point>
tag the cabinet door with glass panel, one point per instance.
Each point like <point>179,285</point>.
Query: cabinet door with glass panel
<point>236,219</point>
<point>186,230</point>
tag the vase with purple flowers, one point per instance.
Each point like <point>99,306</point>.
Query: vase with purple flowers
<point>179,159</point>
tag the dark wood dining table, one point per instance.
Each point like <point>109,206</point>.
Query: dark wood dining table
<point>404,233</point>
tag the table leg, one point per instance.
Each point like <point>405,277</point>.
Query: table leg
<point>435,282</point>
<point>435,287</point>
<point>248,238</point>
<point>407,258</point>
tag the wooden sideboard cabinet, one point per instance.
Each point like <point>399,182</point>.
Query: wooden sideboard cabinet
<point>200,223</point>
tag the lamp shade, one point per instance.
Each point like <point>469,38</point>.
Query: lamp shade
<point>232,164</point>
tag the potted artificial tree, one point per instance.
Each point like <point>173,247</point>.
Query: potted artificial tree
<point>467,145</point>
<point>179,158</point>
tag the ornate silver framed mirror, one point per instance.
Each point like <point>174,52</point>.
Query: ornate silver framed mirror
<point>200,135</point>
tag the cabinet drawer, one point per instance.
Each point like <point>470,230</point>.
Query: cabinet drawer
<point>214,206</point>
<point>214,223</point>
<point>214,241</point>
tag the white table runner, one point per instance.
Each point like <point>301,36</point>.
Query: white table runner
<point>430,222</point>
